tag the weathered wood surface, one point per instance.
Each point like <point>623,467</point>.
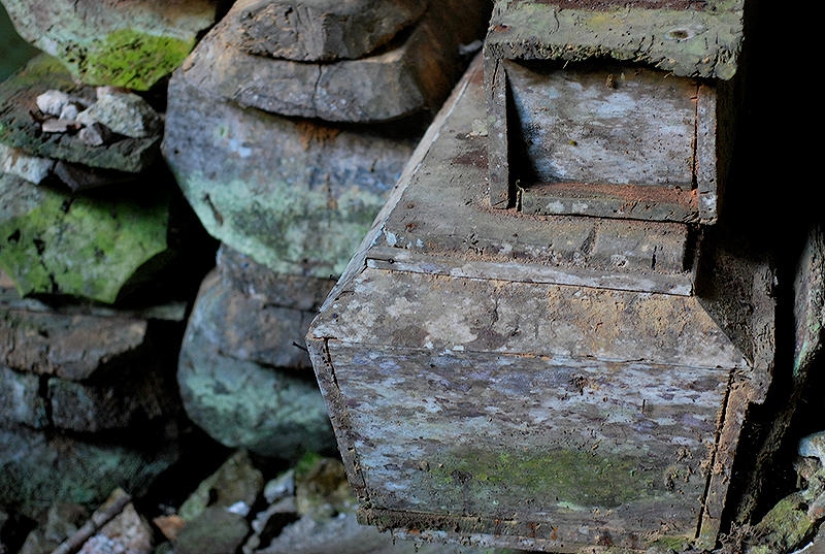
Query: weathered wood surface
<point>323,30</point>
<point>689,39</point>
<point>442,222</point>
<point>604,141</point>
<point>626,124</point>
<point>413,76</point>
<point>490,405</point>
<point>500,409</point>
<point>606,125</point>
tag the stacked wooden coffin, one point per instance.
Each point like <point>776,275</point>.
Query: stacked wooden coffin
<point>546,342</point>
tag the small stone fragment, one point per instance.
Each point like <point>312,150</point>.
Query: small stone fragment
<point>124,113</point>
<point>95,134</point>
<point>816,509</point>
<point>215,531</point>
<point>236,481</point>
<point>30,168</point>
<point>52,102</point>
<point>61,126</point>
<point>169,526</point>
<point>813,446</point>
<point>69,111</point>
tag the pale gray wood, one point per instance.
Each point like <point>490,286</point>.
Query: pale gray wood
<point>443,210</point>
<point>528,406</point>
<point>610,125</point>
<point>677,37</point>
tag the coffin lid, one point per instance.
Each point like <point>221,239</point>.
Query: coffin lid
<point>690,38</point>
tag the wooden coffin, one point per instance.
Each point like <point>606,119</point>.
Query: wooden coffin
<point>547,383</point>
<point>611,110</point>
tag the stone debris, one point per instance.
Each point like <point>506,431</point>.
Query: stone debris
<point>94,134</point>
<point>44,134</point>
<point>308,509</point>
<point>122,112</point>
<point>59,104</point>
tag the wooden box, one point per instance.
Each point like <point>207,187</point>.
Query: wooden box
<point>553,383</point>
<point>607,110</point>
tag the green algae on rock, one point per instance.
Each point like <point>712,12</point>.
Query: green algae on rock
<point>90,248</point>
<point>108,43</point>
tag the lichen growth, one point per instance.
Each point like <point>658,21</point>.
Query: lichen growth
<point>286,228</point>
<point>576,480</point>
<point>127,58</point>
<point>784,528</point>
<point>90,248</point>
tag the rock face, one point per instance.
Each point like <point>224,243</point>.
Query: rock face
<point>312,31</point>
<point>68,374</point>
<point>14,51</point>
<point>243,372</point>
<point>130,44</point>
<point>296,196</point>
<point>411,75</point>
<point>85,248</point>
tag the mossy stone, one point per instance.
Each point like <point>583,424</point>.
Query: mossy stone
<point>127,58</point>
<point>52,243</point>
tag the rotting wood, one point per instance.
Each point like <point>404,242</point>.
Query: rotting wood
<point>114,506</point>
<point>597,93</point>
<point>454,379</point>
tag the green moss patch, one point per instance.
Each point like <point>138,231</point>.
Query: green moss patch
<point>572,479</point>
<point>52,243</point>
<point>128,58</point>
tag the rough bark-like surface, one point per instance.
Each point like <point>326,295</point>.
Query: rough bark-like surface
<point>295,196</point>
<point>410,77</point>
<point>131,44</point>
<point>625,404</point>
<point>693,40</point>
<point>321,30</point>
<point>443,223</point>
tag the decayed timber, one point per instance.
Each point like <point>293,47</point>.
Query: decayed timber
<point>442,223</point>
<point>501,380</point>
<point>682,37</point>
<point>595,103</point>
